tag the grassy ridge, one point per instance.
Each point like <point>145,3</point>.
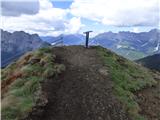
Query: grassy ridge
<point>21,82</point>
<point>128,78</point>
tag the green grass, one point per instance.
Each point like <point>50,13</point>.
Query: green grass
<point>128,77</point>
<point>21,96</point>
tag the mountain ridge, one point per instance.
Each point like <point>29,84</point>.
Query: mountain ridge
<point>13,45</point>
<point>72,82</point>
<point>128,44</point>
<point>70,39</point>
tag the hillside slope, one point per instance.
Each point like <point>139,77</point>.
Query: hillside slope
<point>20,86</point>
<point>77,84</point>
<point>152,62</point>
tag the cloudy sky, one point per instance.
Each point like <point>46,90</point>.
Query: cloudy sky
<point>55,17</point>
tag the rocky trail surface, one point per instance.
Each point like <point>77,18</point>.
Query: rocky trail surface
<point>83,91</point>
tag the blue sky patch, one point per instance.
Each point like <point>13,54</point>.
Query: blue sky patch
<point>62,4</point>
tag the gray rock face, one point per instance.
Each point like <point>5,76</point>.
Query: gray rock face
<point>17,43</point>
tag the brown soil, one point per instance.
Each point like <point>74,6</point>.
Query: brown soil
<point>149,101</point>
<point>83,91</point>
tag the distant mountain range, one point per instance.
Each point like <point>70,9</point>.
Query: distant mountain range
<point>15,44</point>
<point>71,39</point>
<point>128,44</point>
<point>152,62</point>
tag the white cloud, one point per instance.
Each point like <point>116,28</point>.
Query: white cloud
<point>48,21</point>
<point>118,12</point>
<point>54,21</point>
<point>74,25</point>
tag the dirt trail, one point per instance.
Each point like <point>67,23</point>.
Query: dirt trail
<point>83,91</point>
